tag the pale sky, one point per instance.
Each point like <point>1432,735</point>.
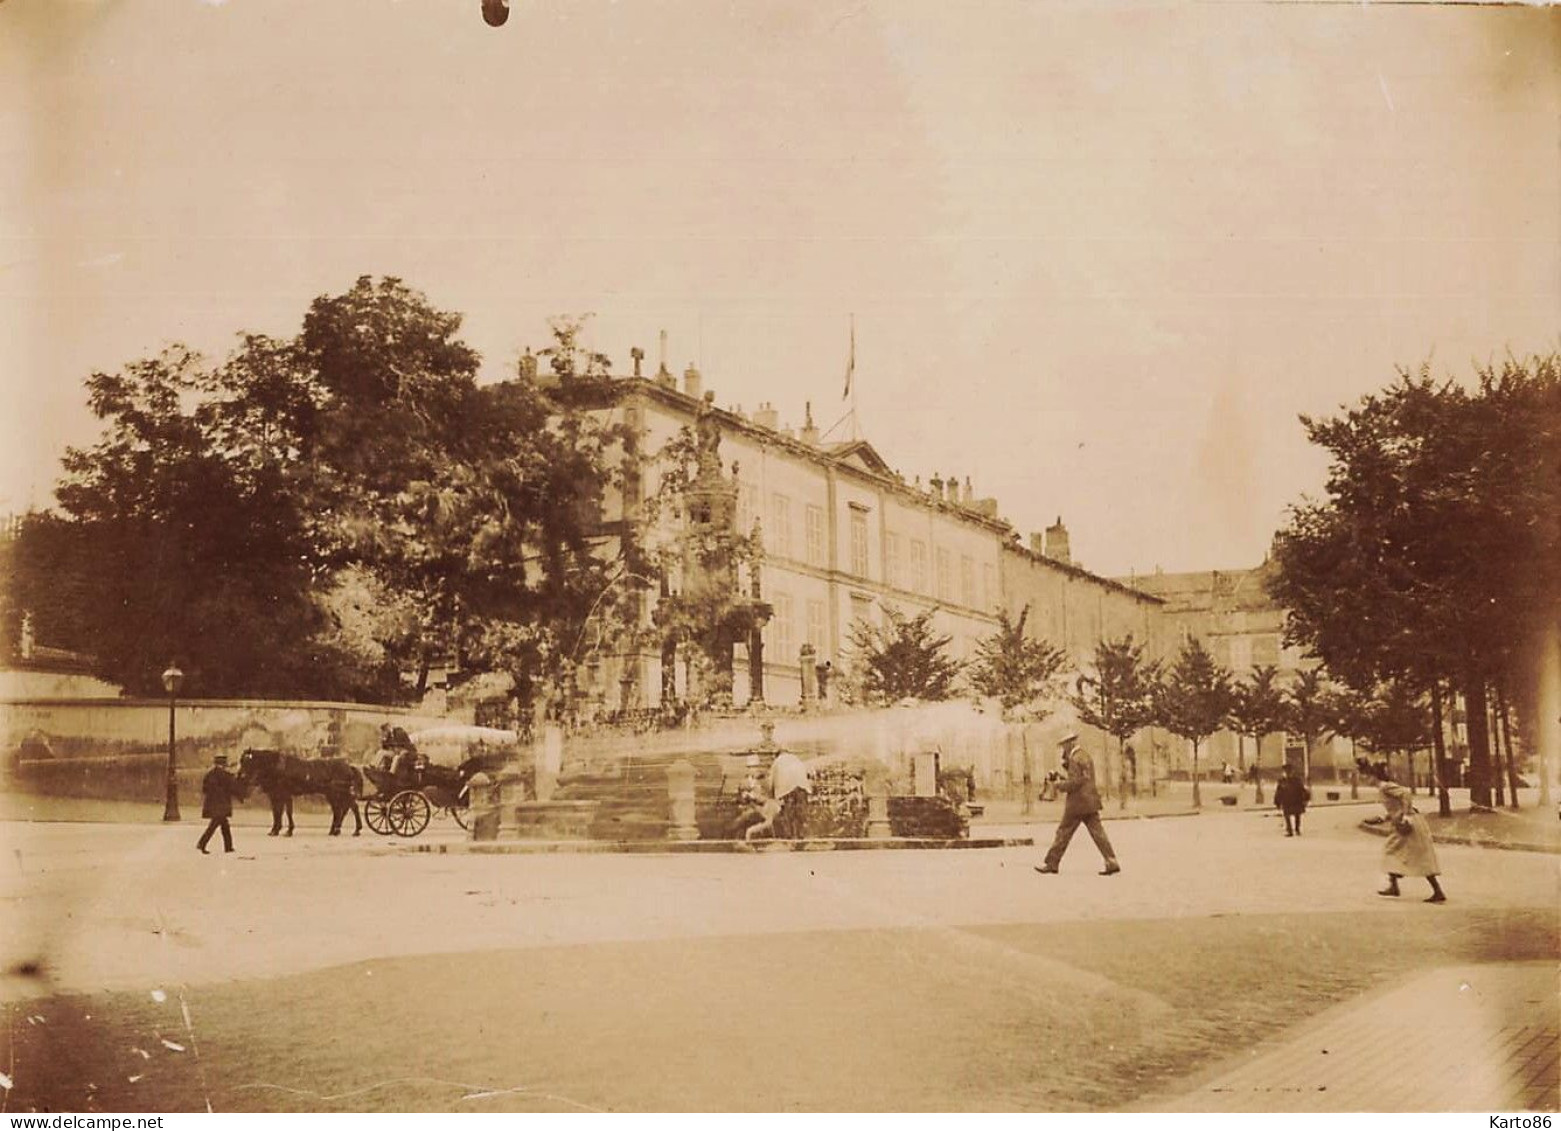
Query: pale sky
<point>1100,256</point>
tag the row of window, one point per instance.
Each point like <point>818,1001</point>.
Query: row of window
<point>780,633</point>
<point>900,571</point>
<point>783,644</point>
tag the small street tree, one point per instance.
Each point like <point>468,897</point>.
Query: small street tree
<point>1308,714</point>
<point>1257,709</point>
<point>1394,721</point>
<point>1349,716</point>
<point>1021,674</point>
<point>904,657</point>
<point>1193,701</point>
<point>1118,697</point>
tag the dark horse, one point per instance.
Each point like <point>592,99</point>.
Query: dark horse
<point>282,777</point>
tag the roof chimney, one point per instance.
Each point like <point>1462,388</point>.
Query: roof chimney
<point>663,374</point>
<point>968,495</point>
<point>809,429</point>
<point>693,384</point>
<point>1057,543</point>
<point>1038,543</point>
<point>765,416</point>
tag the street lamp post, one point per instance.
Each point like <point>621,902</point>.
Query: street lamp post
<point>173,679</point>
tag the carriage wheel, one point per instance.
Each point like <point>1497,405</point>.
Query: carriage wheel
<point>375,816</point>
<point>460,816</point>
<point>408,813</point>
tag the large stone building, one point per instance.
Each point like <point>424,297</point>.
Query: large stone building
<point>1243,628</point>
<point>842,534</point>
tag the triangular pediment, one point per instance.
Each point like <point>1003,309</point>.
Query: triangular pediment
<point>859,453</point>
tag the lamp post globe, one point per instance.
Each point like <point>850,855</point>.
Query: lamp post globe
<point>173,679</point>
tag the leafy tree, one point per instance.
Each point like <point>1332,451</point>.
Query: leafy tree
<point>1119,697</point>
<point>194,548</point>
<point>1439,540</point>
<point>1193,701</point>
<point>902,658</point>
<point>312,517</point>
<point>42,564</point>
<point>1257,709</point>
<point>1308,713</point>
<point>1021,673</point>
<point>567,356</point>
<point>1394,721</point>
<point>1348,713</point>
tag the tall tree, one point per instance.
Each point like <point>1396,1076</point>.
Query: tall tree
<point>904,657</point>
<point>1257,709</point>
<point>1193,701</point>
<point>196,552</point>
<point>1021,673</point>
<point>314,517</point>
<point>1118,697</point>
<point>1437,553</point>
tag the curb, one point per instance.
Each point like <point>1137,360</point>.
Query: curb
<point>1471,842</point>
<point>674,848</point>
<point>1104,816</point>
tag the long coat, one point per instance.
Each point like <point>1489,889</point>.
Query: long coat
<point>218,788</point>
<point>1291,795</point>
<point>1083,797</point>
<point>1410,853</point>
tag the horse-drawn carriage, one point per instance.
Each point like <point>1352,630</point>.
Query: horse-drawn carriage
<point>402,805</point>
<point>409,788</point>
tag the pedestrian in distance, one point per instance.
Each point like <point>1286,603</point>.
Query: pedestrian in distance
<point>218,789</point>
<point>1409,850</point>
<point>1082,807</point>
<point>1291,798</point>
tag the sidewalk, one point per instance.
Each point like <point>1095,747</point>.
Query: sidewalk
<point>1456,1038</point>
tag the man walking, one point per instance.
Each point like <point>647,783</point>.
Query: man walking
<point>1081,808</point>
<point>1290,797</point>
<point>218,789</point>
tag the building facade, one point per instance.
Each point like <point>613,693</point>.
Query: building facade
<point>842,535</point>
<point>1243,628</point>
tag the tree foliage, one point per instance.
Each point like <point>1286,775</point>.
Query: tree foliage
<point>904,657</point>
<point>1020,672</point>
<point>1437,551</point>
<point>1309,712</point>
<point>1257,704</point>
<point>318,516</point>
<point>1118,695</point>
<point>1193,700</point>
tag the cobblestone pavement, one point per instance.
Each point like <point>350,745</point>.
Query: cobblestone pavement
<point>1457,1038</point>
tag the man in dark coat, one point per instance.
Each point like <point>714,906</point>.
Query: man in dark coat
<point>1291,796</point>
<point>218,789</point>
<point>1081,808</point>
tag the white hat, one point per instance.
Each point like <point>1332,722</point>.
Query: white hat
<point>1071,736</point>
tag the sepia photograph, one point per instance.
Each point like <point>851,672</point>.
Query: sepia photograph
<point>756,556</point>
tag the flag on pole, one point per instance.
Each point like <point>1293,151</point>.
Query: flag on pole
<point>850,360</point>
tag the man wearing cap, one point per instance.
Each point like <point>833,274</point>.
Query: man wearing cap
<point>1081,808</point>
<point>218,789</point>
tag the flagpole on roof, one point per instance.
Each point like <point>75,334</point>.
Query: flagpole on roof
<point>856,425</point>
<point>849,392</point>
